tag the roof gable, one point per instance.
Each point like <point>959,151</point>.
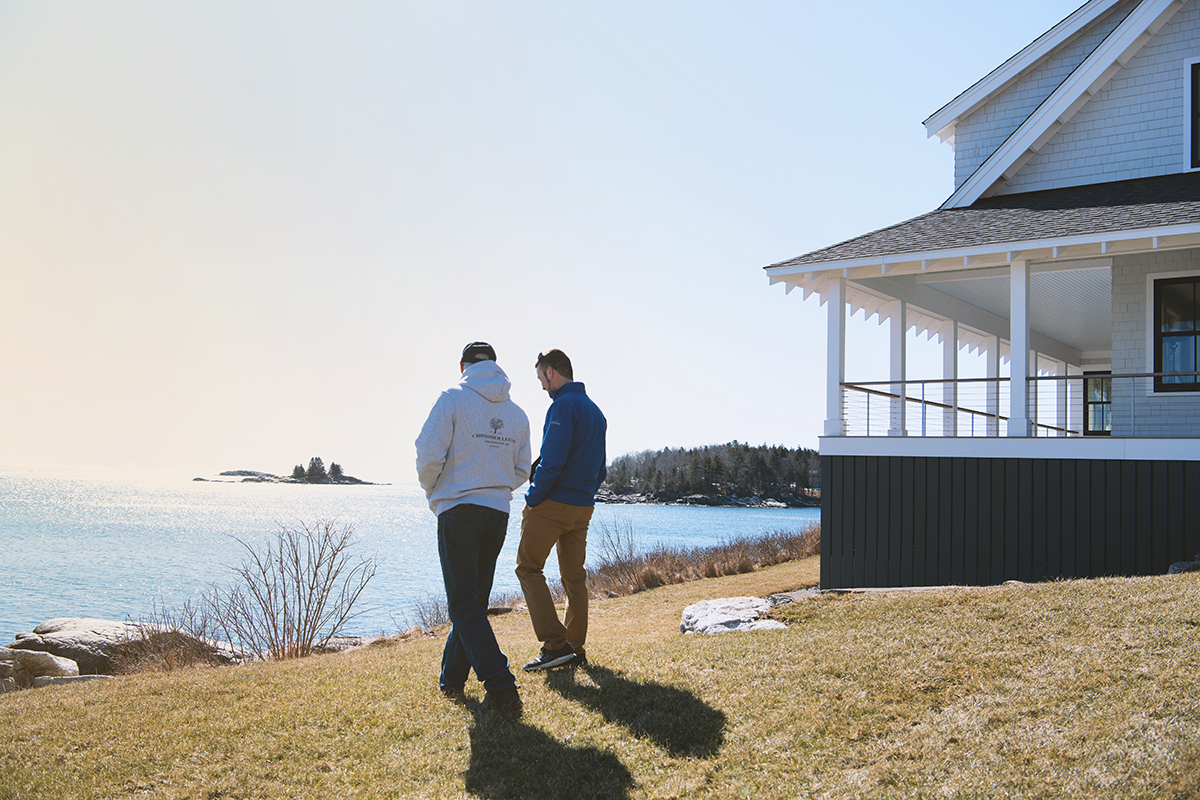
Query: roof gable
<point>944,121</point>
<point>1090,77</point>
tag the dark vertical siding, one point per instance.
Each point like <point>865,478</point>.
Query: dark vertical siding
<point>920,523</point>
<point>1083,508</point>
<point>1191,511</point>
<point>1175,514</point>
<point>970,524</point>
<point>999,520</point>
<point>896,531</point>
<point>830,515</point>
<point>1067,532</point>
<point>907,521</point>
<point>906,510</point>
<point>1054,507</point>
<point>1037,552</point>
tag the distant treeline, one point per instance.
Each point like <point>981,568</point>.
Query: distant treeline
<point>734,469</point>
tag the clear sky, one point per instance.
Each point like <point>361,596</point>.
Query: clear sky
<point>235,235</point>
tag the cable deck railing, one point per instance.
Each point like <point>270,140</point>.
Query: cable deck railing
<point>1091,404</point>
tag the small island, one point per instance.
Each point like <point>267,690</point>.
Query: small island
<point>315,473</point>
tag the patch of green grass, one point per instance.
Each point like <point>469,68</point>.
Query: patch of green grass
<point>1068,689</point>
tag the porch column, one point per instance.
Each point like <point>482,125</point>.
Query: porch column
<point>835,357</point>
<point>949,376</point>
<point>1018,349</point>
<point>993,387</point>
<point>899,367</point>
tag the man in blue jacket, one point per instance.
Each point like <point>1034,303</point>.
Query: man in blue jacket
<point>558,508</point>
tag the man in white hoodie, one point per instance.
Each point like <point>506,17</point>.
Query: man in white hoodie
<point>471,454</point>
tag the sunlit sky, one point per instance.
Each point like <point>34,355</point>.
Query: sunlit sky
<point>235,235</point>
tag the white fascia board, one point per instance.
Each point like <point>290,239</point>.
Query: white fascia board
<point>1071,95</point>
<point>943,121</point>
<point>990,253</point>
<point>1101,448</point>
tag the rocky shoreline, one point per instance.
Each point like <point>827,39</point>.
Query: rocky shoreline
<point>708,500</point>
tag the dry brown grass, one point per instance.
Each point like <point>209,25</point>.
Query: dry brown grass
<point>1073,689</point>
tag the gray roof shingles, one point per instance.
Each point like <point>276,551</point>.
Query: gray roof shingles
<point>1054,213</point>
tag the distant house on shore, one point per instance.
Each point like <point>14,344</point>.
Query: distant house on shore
<point>1069,250</point>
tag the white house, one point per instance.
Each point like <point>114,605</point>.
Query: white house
<point>1070,251</point>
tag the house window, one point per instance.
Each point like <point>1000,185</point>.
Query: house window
<point>1176,333</point>
<point>1194,114</point>
<point>1097,404</point>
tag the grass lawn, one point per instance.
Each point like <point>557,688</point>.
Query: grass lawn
<point>1069,689</point>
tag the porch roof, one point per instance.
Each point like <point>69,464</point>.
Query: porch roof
<point>1120,207</point>
<point>952,263</point>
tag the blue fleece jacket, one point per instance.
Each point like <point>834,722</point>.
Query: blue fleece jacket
<point>573,462</point>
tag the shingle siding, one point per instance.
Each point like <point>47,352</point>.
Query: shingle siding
<point>979,134</point>
<point>1168,414</point>
<point>1132,128</point>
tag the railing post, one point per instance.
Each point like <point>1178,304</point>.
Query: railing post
<point>924,409</point>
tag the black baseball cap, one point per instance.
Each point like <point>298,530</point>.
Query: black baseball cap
<point>477,351</point>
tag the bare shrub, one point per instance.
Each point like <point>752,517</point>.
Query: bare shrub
<point>430,611</point>
<point>623,570</point>
<point>293,597</point>
<point>171,639</point>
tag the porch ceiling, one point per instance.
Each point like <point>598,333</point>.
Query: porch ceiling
<point>1072,307</point>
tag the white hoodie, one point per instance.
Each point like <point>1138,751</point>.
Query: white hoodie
<point>474,448</point>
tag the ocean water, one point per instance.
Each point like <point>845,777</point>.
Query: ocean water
<point>114,545</point>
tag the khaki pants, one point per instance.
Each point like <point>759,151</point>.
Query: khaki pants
<point>545,526</point>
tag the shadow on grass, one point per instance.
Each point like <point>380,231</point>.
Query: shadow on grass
<point>674,719</point>
<point>511,760</point>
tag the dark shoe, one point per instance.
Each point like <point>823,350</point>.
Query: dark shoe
<point>552,658</point>
<point>458,694</point>
<point>506,701</point>
<point>580,657</point>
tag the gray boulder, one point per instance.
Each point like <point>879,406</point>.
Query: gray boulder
<point>20,669</point>
<point>91,642</point>
<point>728,614</point>
<point>88,642</point>
<point>1185,566</point>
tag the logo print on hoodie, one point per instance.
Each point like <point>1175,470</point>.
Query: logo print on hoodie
<point>494,439</point>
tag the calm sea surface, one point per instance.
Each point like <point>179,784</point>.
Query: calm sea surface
<point>110,545</point>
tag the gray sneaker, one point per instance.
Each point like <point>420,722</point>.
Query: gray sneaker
<point>552,658</point>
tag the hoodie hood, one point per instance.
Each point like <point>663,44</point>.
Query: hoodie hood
<point>487,380</point>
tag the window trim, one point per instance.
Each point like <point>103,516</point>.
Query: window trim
<point>1089,375</point>
<point>1156,336</point>
<point>1191,114</point>
<point>1151,340</point>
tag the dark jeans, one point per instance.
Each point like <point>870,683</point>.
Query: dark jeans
<point>469,542</point>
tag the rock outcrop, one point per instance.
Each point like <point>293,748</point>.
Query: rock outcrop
<point>90,642</point>
<point>21,669</point>
<point>728,614</point>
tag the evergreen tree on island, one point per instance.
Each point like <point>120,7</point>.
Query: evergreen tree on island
<point>316,471</point>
